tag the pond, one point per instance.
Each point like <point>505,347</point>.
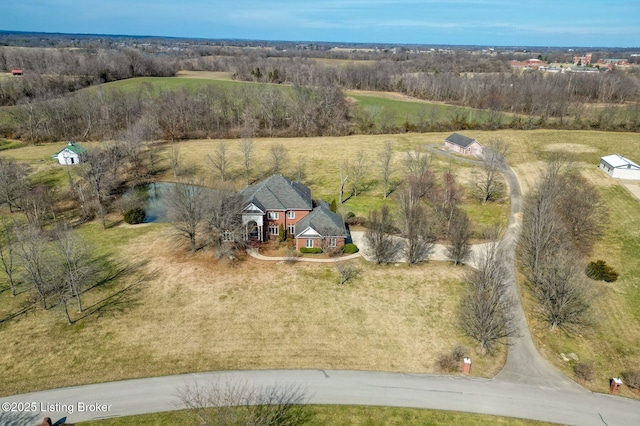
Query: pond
<point>150,197</point>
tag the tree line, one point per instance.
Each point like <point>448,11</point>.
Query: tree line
<point>52,73</point>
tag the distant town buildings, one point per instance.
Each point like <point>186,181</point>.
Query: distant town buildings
<point>582,60</point>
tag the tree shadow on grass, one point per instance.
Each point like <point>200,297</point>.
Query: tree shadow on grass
<point>123,299</point>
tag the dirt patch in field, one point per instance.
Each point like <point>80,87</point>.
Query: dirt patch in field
<point>569,147</point>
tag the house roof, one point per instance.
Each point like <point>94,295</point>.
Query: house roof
<point>278,193</point>
<point>73,147</point>
<point>460,140</point>
<point>619,162</point>
<point>323,221</point>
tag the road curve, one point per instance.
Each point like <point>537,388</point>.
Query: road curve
<point>466,394</point>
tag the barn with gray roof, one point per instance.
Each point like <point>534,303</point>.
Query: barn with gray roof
<point>463,145</point>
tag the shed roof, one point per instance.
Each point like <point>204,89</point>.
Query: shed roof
<point>460,140</point>
<point>619,162</point>
<point>73,147</point>
<point>323,221</point>
<point>278,193</point>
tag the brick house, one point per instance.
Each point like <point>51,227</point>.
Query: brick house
<point>463,145</point>
<point>278,201</point>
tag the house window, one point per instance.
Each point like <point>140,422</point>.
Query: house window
<point>273,215</point>
<point>333,242</point>
<point>227,236</point>
<point>292,229</point>
<point>273,230</point>
<point>291,214</point>
<point>309,243</point>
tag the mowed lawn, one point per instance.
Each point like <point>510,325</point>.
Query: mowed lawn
<point>183,313</point>
<point>342,415</point>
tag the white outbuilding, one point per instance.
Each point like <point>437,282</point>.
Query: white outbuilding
<point>620,167</point>
<point>70,154</point>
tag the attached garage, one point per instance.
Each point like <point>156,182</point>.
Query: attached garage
<point>620,167</point>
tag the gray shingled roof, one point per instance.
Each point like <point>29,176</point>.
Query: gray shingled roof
<point>460,140</point>
<point>278,193</point>
<point>323,221</point>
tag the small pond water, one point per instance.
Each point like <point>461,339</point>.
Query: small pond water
<point>151,200</point>
<point>151,196</point>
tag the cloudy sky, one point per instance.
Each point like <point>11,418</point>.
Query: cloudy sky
<point>481,22</point>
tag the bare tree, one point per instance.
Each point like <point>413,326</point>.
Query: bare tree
<point>220,160</point>
<point>246,147</point>
<point>562,292</point>
<point>377,237</point>
<point>240,404</point>
<point>223,219</point>
<point>416,163</point>
<point>346,271</point>
<point>418,228</point>
<point>582,211</point>
<point>279,158</point>
<point>13,182</point>
<point>8,253</point>
<point>99,171</point>
<point>386,167</point>
<point>486,313</point>
<point>489,182</point>
<point>542,229</point>
<point>459,234</point>
<point>547,247</point>
<point>76,263</point>
<point>187,206</point>
<point>36,261</point>
<point>358,170</point>
<point>301,164</point>
<point>344,176</point>
<point>450,196</point>
<point>175,160</point>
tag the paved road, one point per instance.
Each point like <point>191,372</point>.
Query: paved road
<point>347,387</point>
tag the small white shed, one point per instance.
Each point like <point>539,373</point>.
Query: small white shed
<point>620,167</point>
<point>70,154</point>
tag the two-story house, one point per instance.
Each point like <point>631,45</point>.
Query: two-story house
<point>278,201</point>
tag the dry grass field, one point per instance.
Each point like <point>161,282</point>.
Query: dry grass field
<point>321,157</point>
<point>191,313</point>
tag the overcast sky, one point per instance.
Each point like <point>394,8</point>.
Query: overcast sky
<point>482,22</point>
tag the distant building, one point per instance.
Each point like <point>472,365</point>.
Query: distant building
<point>582,60</point>
<point>70,154</point>
<point>620,167</point>
<point>463,145</point>
<point>616,62</point>
<point>16,72</point>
